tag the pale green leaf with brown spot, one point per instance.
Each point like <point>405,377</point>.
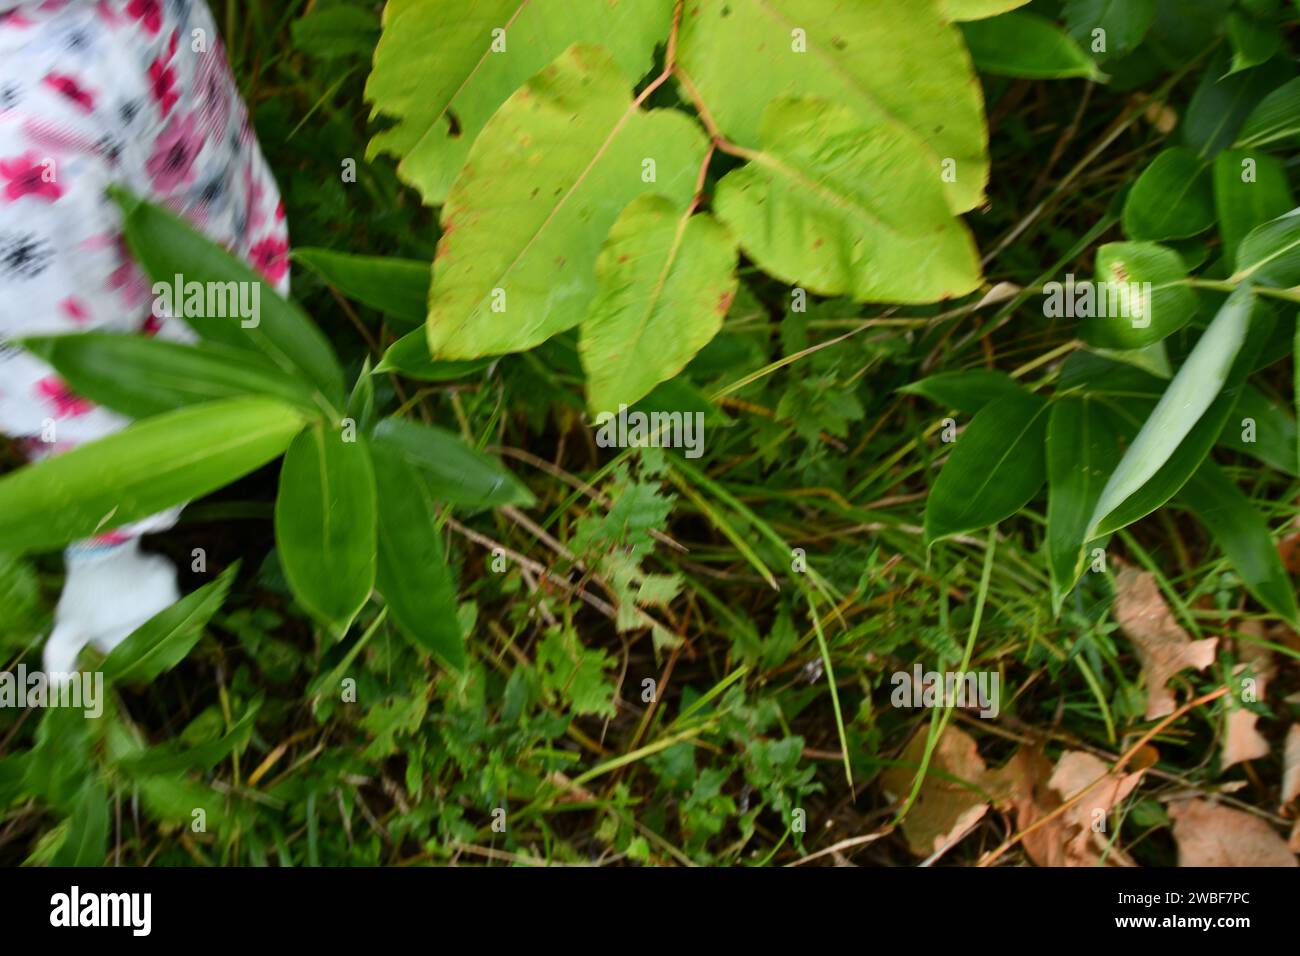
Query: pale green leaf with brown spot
<point>666,281</point>
<point>526,218</point>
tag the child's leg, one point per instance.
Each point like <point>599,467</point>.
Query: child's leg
<point>113,92</point>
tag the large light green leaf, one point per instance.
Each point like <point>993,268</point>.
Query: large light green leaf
<point>167,246</point>
<point>978,9</point>
<point>526,219</point>
<point>841,208</point>
<point>325,524</point>
<point>1242,533</point>
<point>1125,23</point>
<point>1026,45</point>
<point>897,67</point>
<point>666,279</point>
<point>397,287</point>
<point>436,72</point>
<point>1189,396</point>
<point>1082,450</point>
<point>997,465</point>
<point>455,473</point>
<point>1124,268</point>
<point>413,575</point>
<point>1250,189</point>
<point>152,465</point>
<point>1172,199</point>
<point>162,642</point>
<point>140,376</point>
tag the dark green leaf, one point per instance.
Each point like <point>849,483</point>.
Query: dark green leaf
<point>397,287</point>
<point>1172,199</point>
<point>455,473</point>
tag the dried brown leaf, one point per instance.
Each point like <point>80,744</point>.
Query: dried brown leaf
<point>1162,645</point>
<point>1211,835</point>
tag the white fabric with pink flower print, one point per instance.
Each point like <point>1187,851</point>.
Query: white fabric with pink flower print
<point>93,93</point>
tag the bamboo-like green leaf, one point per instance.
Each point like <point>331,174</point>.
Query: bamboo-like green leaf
<point>1250,189</point>
<point>443,68</point>
<point>152,465</point>
<point>409,357</point>
<point>967,391</point>
<point>898,68</point>
<point>1027,45</point>
<point>1240,530</point>
<point>1275,120</point>
<point>413,575</point>
<point>455,473</point>
<point>840,208</point>
<point>175,758</point>
<point>1262,430</point>
<point>325,524</point>
<point>397,287</point>
<point>167,247</point>
<point>1133,489</point>
<point>163,641</point>
<point>86,843</point>
<point>526,218</point>
<point>1253,42</point>
<point>666,280</point>
<point>1127,320</point>
<point>141,377</point>
<point>997,465</point>
<point>1172,199</point>
<point>1270,254</point>
<point>1082,451</point>
<point>1221,103</point>
<point>1125,23</point>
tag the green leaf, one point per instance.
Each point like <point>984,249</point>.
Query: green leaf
<point>1123,268</point>
<point>1240,530</point>
<point>1126,23</point>
<point>414,577</point>
<point>1221,104</point>
<point>1275,121</point>
<point>1142,482</point>
<point>163,641</point>
<point>899,68</point>
<point>997,465</point>
<point>840,208</point>
<point>141,377</point>
<point>1027,45</point>
<point>1249,190</point>
<point>174,758</point>
<point>86,843</point>
<point>1172,199</point>
<point>455,473</point>
<point>1270,254</point>
<point>167,247</point>
<point>967,391</point>
<point>437,74</point>
<point>666,279</point>
<point>409,357</point>
<point>548,177</point>
<point>1082,450</point>
<point>152,465</point>
<point>978,9</point>
<point>1252,42</point>
<point>397,287</point>
<point>336,32</point>
<point>1274,438</point>
<point>325,524</point>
